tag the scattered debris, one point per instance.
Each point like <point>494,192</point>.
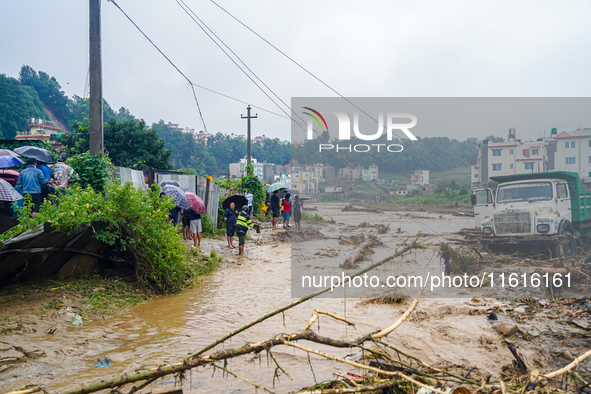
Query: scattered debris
<point>359,252</point>
<point>352,208</point>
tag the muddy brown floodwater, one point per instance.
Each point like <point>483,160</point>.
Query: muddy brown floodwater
<point>449,331</point>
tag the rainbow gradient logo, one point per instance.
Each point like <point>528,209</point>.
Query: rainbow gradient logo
<point>316,119</point>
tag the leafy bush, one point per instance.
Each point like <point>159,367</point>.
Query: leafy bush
<point>90,170</point>
<point>135,221</point>
<point>252,184</point>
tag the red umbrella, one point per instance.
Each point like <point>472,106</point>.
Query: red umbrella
<point>9,175</point>
<point>196,203</point>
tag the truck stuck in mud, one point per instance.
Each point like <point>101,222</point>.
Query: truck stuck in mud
<point>548,211</point>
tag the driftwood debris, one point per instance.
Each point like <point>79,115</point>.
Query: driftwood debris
<point>384,365</point>
<point>358,253</point>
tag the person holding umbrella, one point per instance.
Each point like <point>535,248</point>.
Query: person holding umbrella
<point>180,201</point>
<point>195,210</point>
<point>230,217</point>
<point>195,225</point>
<point>30,180</point>
<point>275,208</point>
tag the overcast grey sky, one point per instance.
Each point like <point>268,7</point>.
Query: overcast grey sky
<point>378,48</point>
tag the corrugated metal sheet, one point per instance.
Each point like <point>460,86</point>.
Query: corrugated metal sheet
<point>42,253</point>
<point>136,177</point>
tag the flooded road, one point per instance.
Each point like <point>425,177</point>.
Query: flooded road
<point>166,329</point>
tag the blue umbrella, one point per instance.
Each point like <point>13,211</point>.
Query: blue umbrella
<point>10,161</point>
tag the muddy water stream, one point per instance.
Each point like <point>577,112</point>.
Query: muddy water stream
<point>166,329</point>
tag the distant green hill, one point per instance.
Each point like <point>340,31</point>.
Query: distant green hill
<point>18,104</point>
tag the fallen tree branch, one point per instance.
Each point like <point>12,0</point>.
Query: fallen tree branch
<point>358,389</point>
<point>358,253</point>
<point>363,366</point>
<point>243,378</point>
<point>412,245</point>
<point>401,320</point>
<point>570,366</point>
<point>198,359</point>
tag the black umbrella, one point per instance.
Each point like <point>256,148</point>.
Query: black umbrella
<point>237,199</point>
<point>36,153</point>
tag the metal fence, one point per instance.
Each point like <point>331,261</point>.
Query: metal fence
<point>209,191</point>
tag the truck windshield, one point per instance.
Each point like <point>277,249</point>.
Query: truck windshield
<point>525,192</point>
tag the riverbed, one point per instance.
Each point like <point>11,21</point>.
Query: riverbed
<point>445,331</point>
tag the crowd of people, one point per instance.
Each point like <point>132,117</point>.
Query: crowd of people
<point>239,221</point>
<point>37,180</point>
<point>289,208</point>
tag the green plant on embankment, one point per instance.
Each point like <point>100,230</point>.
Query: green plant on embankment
<point>306,216</point>
<point>134,220</point>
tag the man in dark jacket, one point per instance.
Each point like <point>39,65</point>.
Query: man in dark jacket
<point>30,180</point>
<point>243,223</point>
<point>230,217</point>
<point>275,208</point>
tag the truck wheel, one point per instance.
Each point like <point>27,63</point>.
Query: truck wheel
<point>568,246</point>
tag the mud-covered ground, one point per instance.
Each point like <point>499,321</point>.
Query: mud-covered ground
<point>453,331</point>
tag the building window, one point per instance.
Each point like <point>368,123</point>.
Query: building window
<point>511,150</point>
<point>534,152</point>
<point>589,142</point>
<point>566,144</point>
<point>529,166</point>
<point>496,152</point>
<point>570,160</point>
<point>496,167</point>
<point>589,159</point>
<point>475,175</point>
<point>510,166</point>
<point>572,144</point>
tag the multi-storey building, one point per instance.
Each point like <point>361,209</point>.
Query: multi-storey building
<point>573,153</point>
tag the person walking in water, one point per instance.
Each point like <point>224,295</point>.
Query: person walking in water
<point>243,223</point>
<point>230,217</point>
<point>297,212</point>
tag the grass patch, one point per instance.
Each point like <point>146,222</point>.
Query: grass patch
<point>312,217</point>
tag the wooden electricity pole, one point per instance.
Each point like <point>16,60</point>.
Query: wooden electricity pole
<point>95,134</point>
<point>248,117</point>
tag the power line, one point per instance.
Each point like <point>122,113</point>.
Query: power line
<point>320,80</point>
<point>203,26</point>
<point>170,61</point>
<point>196,19</point>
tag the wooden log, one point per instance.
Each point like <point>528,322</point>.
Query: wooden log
<point>358,253</point>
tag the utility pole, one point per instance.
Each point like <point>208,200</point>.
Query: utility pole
<point>95,134</point>
<point>248,118</point>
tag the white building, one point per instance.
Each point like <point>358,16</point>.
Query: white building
<point>573,153</point>
<point>509,157</point>
<point>419,177</point>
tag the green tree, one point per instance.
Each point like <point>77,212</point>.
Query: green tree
<point>128,144</point>
<point>80,111</point>
<point>18,104</point>
<point>49,91</point>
